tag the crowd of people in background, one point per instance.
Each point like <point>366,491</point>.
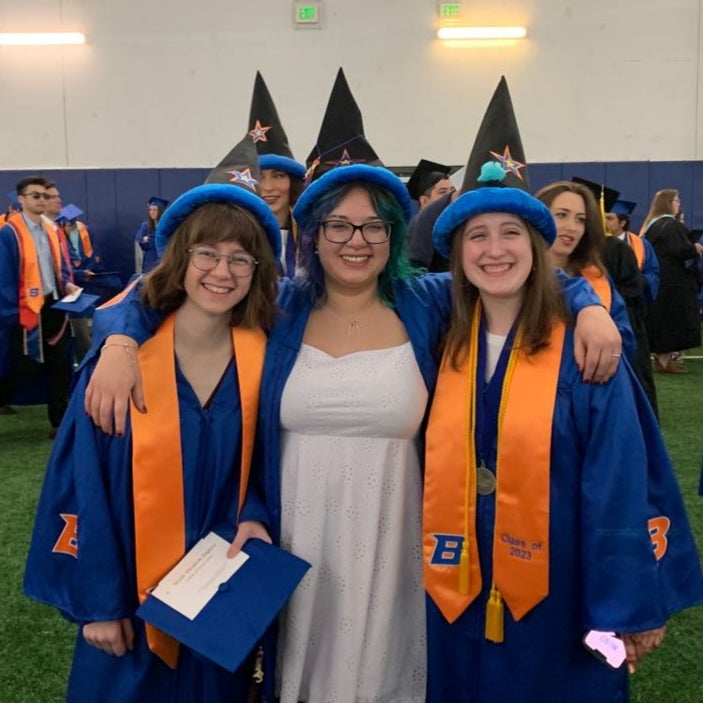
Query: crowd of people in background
<point>447,431</point>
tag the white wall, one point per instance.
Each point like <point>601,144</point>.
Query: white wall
<point>168,83</point>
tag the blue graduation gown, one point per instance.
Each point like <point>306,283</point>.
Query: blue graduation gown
<point>609,475</point>
<point>77,254</point>
<point>423,304</point>
<point>9,293</point>
<point>151,256</point>
<point>89,475</point>
<point>650,272</point>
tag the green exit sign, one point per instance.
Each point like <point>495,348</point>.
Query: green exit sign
<point>306,13</point>
<point>450,10</point>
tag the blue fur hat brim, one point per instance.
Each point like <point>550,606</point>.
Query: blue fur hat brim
<point>176,213</point>
<point>376,175</point>
<point>282,163</point>
<point>483,200</point>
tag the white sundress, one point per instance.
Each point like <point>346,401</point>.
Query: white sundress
<point>351,493</point>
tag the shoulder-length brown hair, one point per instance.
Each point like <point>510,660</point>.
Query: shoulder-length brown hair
<point>163,287</point>
<point>589,249</point>
<point>541,306</point>
<point>662,204</point>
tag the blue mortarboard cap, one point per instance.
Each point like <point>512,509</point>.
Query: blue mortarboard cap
<point>14,202</point>
<point>68,213</point>
<point>623,207</point>
<point>228,628</point>
<point>159,202</point>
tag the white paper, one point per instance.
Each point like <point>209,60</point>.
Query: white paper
<point>192,583</point>
<point>71,297</point>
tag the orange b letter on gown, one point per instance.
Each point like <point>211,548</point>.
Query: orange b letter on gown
<point>658,528</point>
<point>67,543</point>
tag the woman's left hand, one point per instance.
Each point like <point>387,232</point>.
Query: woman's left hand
<point>247,530</point>
<point>597,344</point>
<point>639,644</point>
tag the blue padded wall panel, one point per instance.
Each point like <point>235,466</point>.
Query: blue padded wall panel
<point>176,181</point>
<point>133,188</point>
<point>590,171</point>
<point>101,216</point>
<point>543,174</point>
<point>695,209</point>
<point>632,180</point>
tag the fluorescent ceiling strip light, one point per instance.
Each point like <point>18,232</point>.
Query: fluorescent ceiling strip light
<point>41,38</point>
<point>482,32</point>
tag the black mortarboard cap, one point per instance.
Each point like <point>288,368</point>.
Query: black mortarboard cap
<point>267,133</point>
<point>341,140</point>
<point>498,139</point>
<point>610,196</point>
<point>425,175</point>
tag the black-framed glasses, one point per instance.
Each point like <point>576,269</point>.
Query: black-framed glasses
<point>239,265</point>
<point>341,231</point>
<point>36,196</point>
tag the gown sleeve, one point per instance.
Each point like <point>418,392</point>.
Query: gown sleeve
<point>80,546</point>
<point>640,563</point>
<point>129,316</point>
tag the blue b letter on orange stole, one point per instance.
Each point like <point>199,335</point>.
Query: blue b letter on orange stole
<point>447,551</point>
<point>67,543</point>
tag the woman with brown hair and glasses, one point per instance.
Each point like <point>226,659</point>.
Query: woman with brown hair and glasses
<point>118,512</point>
<point>673,319</point>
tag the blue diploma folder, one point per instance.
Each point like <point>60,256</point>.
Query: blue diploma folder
<point>82,306</point>
<point>229,627</point>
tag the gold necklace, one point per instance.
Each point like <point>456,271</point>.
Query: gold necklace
<point>354,325</point>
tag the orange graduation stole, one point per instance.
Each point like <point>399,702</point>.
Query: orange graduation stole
<point>600,284</point>
<point>521,535</point>
<point>31,293</point>
<point>637,245</point>
<point>85,239</point>
<point>157,467</point>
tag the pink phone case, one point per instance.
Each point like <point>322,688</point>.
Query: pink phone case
<point>607,647</point>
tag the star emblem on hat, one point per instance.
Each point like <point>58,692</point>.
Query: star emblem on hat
<point>258,134</point>
<point>344,160</point>
<point>509,164</point>
<point>244,178</point>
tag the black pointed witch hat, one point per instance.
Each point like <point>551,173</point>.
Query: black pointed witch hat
<point>341,141</point>
<point>267,133</point>
<point>498,139</point>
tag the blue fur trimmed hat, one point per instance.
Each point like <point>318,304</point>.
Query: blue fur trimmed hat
<point>492,198</point>
<point>268,135</point>
<point>236,181</point>
<point>342,155</point>
<point>192,199</point>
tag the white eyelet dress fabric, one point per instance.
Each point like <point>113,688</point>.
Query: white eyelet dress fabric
<point>354,631</point>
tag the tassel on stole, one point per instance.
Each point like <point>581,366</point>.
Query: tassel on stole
<point>494,617</point>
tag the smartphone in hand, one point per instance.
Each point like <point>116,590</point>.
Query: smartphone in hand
<point>607,647</point>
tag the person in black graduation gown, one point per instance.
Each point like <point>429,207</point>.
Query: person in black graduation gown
<point>673,320</point>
